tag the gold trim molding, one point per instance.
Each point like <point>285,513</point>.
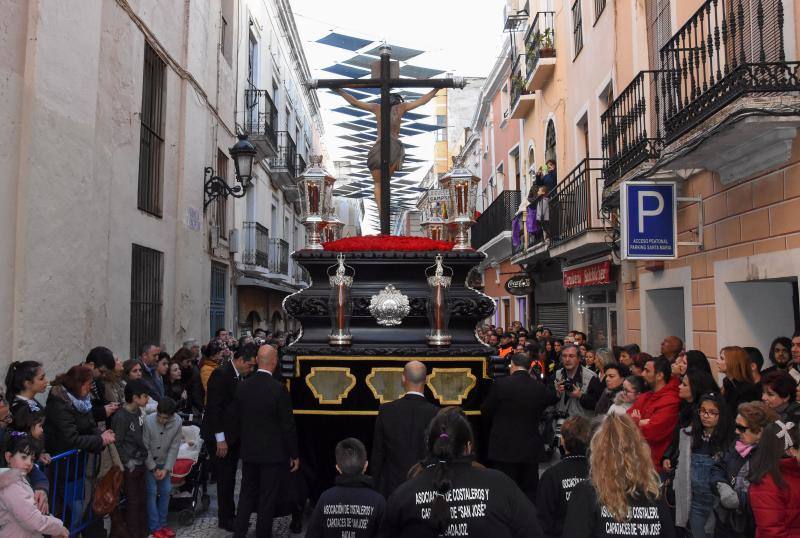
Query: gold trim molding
<point>317,370</point>
<point>451,398</point>
<point>344,358</point>
<point>383,397</point>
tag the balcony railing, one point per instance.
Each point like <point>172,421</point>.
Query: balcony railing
<point>278,256</point>
<point>299,274</point>
<point>496,219</point>
<point>632,125</point>
<point>256,244</point>
<point>728,48</point>
<point>261,114</point>
<point>574,200</point>
<point>517,81</point>
<point>540,41</point>
<point>286,160</point>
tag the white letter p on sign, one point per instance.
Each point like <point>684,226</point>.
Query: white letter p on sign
<point>650,212</point>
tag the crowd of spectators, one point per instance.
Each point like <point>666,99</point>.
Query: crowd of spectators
<point>670,444</point>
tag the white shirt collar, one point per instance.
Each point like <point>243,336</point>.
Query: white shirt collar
<point>265,371</point>
<point>415,392</point>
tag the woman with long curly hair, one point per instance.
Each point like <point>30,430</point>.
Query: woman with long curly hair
<point>451,495</point>
<point>622,495</point>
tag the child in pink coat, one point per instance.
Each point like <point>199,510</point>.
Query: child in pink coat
<point>19,517</point>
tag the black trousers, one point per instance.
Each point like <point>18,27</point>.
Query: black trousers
<point>525,474</point>
<point>261,483</point>
<point>225,473</point>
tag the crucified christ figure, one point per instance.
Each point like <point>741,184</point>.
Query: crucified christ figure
<point>398,153</point>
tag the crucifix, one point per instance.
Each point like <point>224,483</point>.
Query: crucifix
<point>391,150</point>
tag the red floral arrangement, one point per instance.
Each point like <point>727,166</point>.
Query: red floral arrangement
<point>382,243</point>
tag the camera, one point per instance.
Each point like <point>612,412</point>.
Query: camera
<point>569,386</point>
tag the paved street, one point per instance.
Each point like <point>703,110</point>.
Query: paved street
<point>205,524</point>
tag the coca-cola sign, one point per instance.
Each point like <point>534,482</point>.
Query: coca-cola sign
<point>519,285</point>
<point>590,275</point>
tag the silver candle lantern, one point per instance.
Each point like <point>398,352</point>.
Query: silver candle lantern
<point>462,186</point>
<point>439,279</point>
<point>434,211</point>
<point>316,200</point>
<point>340,306</point>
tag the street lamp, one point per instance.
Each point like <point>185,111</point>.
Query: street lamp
<point>243,154</point>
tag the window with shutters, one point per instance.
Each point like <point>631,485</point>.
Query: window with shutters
<point>659,30</point>
<point>217,303</point>
<point>221,202</point>
<point>147,283</point>
<point>577,28</point>
<point>550,143</point>
<point>151,143</point>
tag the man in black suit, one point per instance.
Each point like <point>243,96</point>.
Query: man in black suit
<point>514,408</point>
<point>399,440</point>
<point>217,431</point>
<point>268,439</point>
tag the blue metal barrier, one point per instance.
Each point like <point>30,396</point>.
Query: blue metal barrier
<point>70,499</point>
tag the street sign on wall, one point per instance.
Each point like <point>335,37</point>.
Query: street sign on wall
<point>649,220</point>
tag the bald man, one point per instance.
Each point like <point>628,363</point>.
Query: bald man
<point>265,427</point>
<point>399,440</point>
<point>671,347</point>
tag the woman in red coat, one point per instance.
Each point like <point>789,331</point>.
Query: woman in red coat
<point>775,482</point>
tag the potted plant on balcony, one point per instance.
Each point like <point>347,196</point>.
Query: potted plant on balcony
<point>518,85</point>
<point>532,50</point>
<point>547,48</point>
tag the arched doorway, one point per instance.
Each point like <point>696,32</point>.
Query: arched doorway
<point>550,143</point>
<point>277,322</point>
<point>253,321</point>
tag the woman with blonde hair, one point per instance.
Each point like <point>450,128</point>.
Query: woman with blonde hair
<point>738,385</point>
<point>622,495</point>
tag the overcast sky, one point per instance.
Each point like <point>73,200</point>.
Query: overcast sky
<point>459,36</point>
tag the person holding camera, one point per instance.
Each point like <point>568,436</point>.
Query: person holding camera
<point>578,388</point>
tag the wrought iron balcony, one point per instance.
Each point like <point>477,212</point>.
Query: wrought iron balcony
<point>278,256</point>
<point>632,125</point>
<point>727,49</point>
<point>496,219</point>
<point>540,49</point>
<point>260,121</point>
<point>575,204</point>
<point>256,244</point>
<point>300,274</point>
<point>284,164</point>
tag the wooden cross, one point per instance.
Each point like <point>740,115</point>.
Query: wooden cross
<point>386,83</point>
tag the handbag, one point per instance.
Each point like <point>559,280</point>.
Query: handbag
<point>106,493</point>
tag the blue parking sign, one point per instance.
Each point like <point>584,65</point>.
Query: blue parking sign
<point>649,221</point>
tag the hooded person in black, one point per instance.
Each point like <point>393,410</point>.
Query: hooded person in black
<point>558,481</point>
<point>450,495</point>
<point>352,507</point>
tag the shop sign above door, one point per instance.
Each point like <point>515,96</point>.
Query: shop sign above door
<point>590,275</point>
<point>519,285</point>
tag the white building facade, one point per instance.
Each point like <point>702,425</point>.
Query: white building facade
<point>111,113</point>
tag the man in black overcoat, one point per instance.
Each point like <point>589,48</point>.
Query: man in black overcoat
<point>217,429</point>
<point>399,440</point>
<point>265,428</point>
<point>514,409</point>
